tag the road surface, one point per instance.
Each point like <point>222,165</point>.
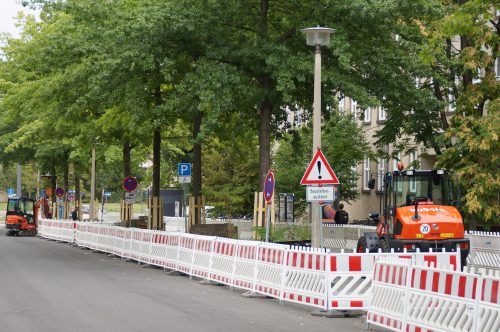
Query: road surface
<point>51,286</point>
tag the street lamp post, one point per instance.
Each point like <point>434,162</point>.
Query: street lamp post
<point>317,37</point>
<point>92,186</point>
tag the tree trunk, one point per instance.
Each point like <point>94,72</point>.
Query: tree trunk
<point>467,76</point>
<point>197,155</point>
<point>264,139</point>
<point>196,174</point>
<point>156,162</point>
<point>66,173</point>
<point>265,107</point>
<point>126,159</point>
<point>53,183</point>
<point>77,184</point>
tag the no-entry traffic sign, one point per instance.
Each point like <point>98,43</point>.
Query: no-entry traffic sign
<point>269,187</point>
<point>129,183</point>
<point>59,192</point>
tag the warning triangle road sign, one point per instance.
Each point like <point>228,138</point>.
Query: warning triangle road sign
<point>319,171</point>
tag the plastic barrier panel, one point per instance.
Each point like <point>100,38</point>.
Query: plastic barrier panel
<point>388,288</point>
<point>223,260</point>
<point>245,264</point>
<point>186,253</point>
<point>202,260</point>
<point>270,270</point>
<point>305,277</point>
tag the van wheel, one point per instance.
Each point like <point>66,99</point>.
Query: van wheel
<point>362,244</point>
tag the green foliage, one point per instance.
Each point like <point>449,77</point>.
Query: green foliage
<point>285,233</point>
<point>230,173</point>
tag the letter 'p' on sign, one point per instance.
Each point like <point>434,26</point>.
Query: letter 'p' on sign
<point>184,169</point>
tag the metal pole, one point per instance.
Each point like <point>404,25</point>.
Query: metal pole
<point>184,189</point>
<point>268,220</point>
<point>315,206</point>
<point>92,186</point>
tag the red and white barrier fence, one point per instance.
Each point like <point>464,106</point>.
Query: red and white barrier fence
<point>409,297</point>
<point>311,277</point>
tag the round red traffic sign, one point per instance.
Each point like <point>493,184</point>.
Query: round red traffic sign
<point>269,187</point>
<point>129,183</point>
<point>59,192</point>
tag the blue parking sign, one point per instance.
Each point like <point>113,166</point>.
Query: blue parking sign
<point>184,169</point>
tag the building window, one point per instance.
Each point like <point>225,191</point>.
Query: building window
<point>366,173</point>
<point>354,109</point>
<point>367,115</point>
<point>342,105</point>
<point>381,165</point>
<point>382,116</point>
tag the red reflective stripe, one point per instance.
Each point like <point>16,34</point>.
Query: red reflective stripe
<point>435,282</point>
<point>462,282</point>
<point>333,263</point>
<point>356,304</point>
<point>423,279</point>
<point>494,291</point>
<point>354,263</point>
<point>474,285</point>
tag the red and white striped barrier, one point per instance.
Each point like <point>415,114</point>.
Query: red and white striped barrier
<point>409,297</point>
<point>270,269</point>
<point>223,257</point>
<point>300,275</point>
<point>305,278</point>
<point>349,275</point>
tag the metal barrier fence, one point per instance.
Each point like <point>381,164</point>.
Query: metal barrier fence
<point>485,250</point>
<point>409,297</point>
<point>308,276</point>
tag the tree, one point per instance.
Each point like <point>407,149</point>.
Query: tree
<point>472,136</point>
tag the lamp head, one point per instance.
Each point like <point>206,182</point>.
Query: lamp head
<point>318,36</point>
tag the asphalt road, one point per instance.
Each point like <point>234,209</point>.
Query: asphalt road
<point>51,286</point>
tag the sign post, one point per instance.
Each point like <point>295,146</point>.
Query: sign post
<point>60,194</point>
<point>129,184</point>
<point>319,173</point>
<point>268,195</point>
<point>184,174</point>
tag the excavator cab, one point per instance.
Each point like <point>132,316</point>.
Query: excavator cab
<point>419,212</point>
<point>21,216</point>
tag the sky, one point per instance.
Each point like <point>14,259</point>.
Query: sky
<point>8,11</point>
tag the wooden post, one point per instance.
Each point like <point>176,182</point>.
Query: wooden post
<point>197,210</point>
<point>126,212</point>
<point>259,212</point>
<point>55,211</point>
<point>66,210</point>
<point>156,212</point>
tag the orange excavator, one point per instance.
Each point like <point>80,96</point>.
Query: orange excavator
<point>419,211</point>
<point>22,215</point>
